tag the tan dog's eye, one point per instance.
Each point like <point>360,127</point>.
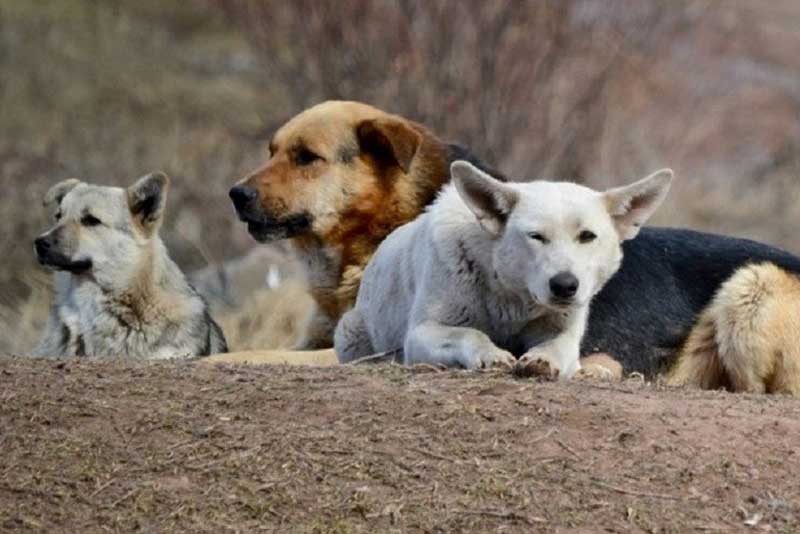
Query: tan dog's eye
<point>304,157</point>
<point>586,237</point>
<point>90,220</point>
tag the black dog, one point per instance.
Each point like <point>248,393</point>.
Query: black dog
<point>645,312</point>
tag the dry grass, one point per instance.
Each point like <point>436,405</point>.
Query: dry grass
<point>596,91</point>
<point>268,318</point>
<point>110,446</point>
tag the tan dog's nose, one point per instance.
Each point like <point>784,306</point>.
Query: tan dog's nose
<point>242,196</point>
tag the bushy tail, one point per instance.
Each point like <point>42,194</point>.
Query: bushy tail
<point>748,338</point>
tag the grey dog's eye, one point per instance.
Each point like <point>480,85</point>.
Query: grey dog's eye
<point>58,216</point>
<point>536,236</point>
<point>586,236</point>
<point>90,220</point>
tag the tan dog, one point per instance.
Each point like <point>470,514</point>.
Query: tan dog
<point>748,338</point>
<point>339,178</point>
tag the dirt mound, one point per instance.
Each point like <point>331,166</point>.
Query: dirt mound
<point>119,447</point>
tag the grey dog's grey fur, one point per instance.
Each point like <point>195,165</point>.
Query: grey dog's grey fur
<point>117,292</point>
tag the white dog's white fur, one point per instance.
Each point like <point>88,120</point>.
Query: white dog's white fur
<point>494,268</point>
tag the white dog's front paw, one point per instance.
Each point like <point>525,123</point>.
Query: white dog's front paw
<point>489,358</point>
<point>538,365</point>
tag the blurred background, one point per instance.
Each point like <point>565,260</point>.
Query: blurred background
<point>598,91</point>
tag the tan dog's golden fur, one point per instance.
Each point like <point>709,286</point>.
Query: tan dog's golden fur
<point>339,178</point>
<point>747,337</point>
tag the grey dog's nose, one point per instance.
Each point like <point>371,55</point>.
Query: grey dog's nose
<point>564,285</point>
<point>42,245</point>
<point>242,195</point>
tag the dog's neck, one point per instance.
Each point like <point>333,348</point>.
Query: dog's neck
<point>149,291</point>
<point>335,261</point>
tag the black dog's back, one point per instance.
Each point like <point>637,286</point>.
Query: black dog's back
<point>644,313</point>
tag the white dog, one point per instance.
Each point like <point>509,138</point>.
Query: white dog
<point>496,268</point>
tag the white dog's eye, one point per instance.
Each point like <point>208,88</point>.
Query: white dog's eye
<point>536,236</point>
<point>586,236</point>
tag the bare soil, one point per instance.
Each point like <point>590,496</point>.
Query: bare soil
<point>91,446</point>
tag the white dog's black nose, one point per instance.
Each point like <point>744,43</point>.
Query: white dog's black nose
<point>564,285</point>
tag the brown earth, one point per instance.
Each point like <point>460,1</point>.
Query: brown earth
<point>120,447</point>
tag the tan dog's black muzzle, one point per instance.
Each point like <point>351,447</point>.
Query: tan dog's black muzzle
<point>244,198</point>
<point>262,226</point>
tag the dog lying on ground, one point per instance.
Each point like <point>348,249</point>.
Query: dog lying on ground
<point>494,269</point>
<point>340,177</point>
<point>368,160</point>
<point>117,292</point>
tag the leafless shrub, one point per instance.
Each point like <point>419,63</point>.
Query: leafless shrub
<point>511,79</point>
<point>595,91</point>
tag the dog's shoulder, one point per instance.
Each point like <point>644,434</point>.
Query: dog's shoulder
<point>453,226</point>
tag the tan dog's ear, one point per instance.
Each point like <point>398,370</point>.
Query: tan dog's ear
<point>389,141</point>
<point>630,206</point>
<point>147,198</point>
<point>489,199</point>
<point>57,193</point>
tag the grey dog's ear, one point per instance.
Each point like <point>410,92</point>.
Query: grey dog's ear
<point>630,206</point>
<point>489,199</point>
<point>147,198</point>
<point>389,141</point>
<point>57,193</point>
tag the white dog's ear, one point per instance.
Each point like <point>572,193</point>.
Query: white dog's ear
<point>489,199</point>
<point>147,198</point>
<point>631,205</point>
<point>57,193</point>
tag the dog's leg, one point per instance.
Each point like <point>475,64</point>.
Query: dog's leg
<point>351,339</point>
<point>453,346</point>
<point>55,340</point>
<point>698,363</point>
<point>558,357</point>
<point>786,378</point>
<point>599,366</point>
<point>318,333</point>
